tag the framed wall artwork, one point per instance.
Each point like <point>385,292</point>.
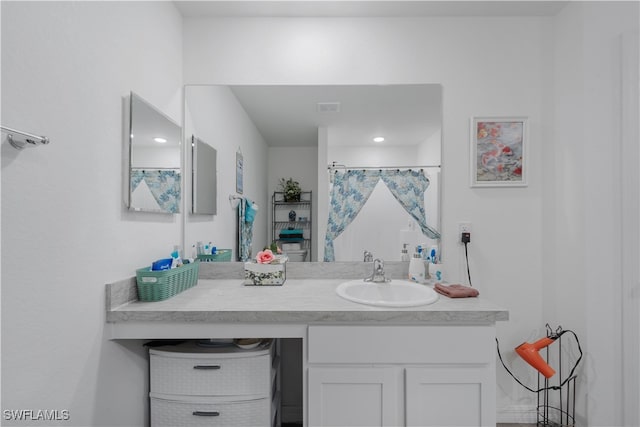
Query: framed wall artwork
<point>498,152</point>
<point>239,172</point>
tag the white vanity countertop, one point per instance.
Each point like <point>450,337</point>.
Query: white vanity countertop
<point>297,301</point>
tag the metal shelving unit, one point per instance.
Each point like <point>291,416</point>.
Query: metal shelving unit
<point>280,218</point>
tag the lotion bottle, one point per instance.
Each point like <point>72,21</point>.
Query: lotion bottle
<point>416,267</point>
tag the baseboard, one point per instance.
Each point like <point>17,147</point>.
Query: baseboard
<point>291,414</point>
<point>521,414</point>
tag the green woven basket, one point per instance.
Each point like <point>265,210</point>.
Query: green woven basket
<point>160,285</point>
<point>222,255</point>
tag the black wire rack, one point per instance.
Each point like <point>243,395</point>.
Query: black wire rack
<point>556,402</point>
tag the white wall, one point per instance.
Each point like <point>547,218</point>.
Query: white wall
<point>152,157</point>
<point>215,116</point>
<point>582,202</point>
<point>487,66</point>
<point>66,67</point>
<point>323,189</point>
<point>630,222</point>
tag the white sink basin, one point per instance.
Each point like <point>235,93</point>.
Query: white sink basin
<point>397,293</point>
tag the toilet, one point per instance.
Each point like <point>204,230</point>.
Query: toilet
<point>298,255</point>
<point>295,252</point>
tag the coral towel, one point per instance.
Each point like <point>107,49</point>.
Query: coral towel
<point>456,291</point>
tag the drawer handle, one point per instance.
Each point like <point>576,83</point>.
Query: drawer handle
<point>206,413</point>
<point>207,367</point>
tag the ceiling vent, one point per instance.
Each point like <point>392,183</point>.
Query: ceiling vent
<point>328,107</point>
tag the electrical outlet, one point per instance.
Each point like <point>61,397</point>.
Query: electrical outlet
<point>464,227</point>
<point>464,232</point>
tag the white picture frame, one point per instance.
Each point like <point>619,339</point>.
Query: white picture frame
<point>239,173</point>
<point>499,151</point>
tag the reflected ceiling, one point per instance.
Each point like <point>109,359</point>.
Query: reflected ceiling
<point>289,116</point>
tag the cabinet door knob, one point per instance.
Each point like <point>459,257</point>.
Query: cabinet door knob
<point>207,367</point>
<point>206,413</point>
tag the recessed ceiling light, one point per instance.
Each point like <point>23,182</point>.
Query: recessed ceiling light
<point>378,139</point>
<point>328,107</point>
<point>160,140</point>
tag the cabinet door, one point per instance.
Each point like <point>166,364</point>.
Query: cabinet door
<point>351,396</point>
<point>450,396</point>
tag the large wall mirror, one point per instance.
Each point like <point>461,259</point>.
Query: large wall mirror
<point>154,159</point>
<point>287,117</point>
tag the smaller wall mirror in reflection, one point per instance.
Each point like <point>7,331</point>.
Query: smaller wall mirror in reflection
<point>154,159</point>
<point>203,174</point>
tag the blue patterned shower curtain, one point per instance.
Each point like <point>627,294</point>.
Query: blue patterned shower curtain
<point>408,188</point>
<point>164,186</point>
<point>352,188</point>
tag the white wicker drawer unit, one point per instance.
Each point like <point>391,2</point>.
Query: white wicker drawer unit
<point>196,385</point>
<point>173,413</point>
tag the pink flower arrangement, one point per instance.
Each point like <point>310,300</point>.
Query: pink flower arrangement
<point>265,257</point>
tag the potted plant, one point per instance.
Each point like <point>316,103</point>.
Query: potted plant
<point>291,189</point>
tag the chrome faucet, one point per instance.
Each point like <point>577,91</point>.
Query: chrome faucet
<point>368,256</point>
<point>378,272</point>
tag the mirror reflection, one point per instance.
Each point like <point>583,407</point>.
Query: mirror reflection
<point>306,130</point>
<point>203,177</point>
<point>154,159</point>
<point>388,157</point>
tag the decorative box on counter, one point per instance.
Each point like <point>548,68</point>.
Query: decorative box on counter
<point>273,274</point>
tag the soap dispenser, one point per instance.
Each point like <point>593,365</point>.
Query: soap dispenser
<point>404,254</point>
<point>416,266</point>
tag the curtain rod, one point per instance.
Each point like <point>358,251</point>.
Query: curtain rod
<point>336,166</point>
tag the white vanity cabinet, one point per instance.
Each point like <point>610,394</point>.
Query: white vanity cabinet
<point>354,396</point>
<point>401,375</point>
<point>432,365</point>
<point>194,385</point>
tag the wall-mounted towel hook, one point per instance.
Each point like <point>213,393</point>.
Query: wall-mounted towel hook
<point>234,200</point>
<point>24,139</point>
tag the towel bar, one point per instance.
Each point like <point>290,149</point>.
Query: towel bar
<point>28,140</point>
